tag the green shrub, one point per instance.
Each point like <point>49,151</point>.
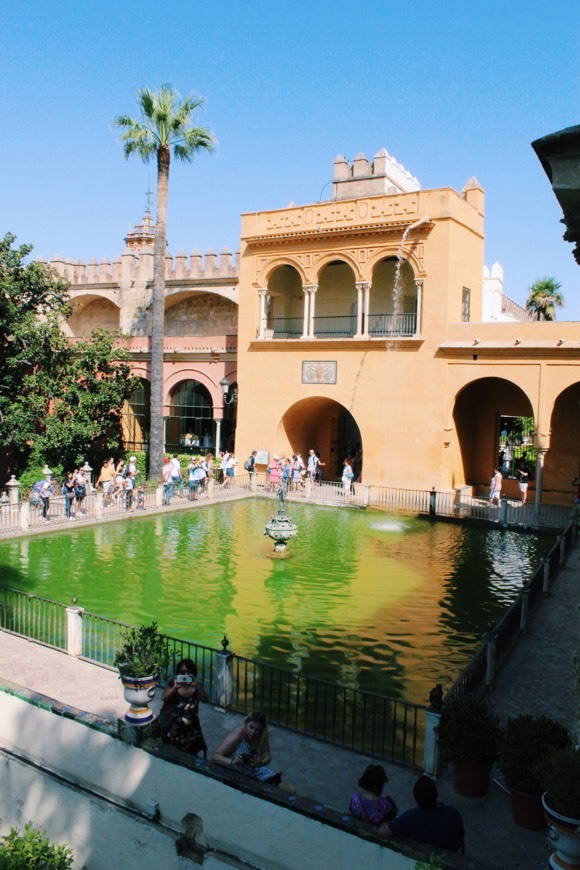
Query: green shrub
<point>468,731</point>
<point>558,773</point>
<point>33,849</point>
<point>143,651</point>
<point>527,739</point>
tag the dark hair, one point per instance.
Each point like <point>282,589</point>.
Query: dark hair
<point>373,778</point>
<point>187,663</point>
<point>425,793</point>
<point>258,718</point>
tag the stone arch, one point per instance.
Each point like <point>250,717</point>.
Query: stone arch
<point>91,311</point>
<point>393,251</point>
<point>477,409</point>
<point>276,262</point>
<point>334,257</point>
<point>324,424</point>
<point>188,373</point>
<point>562,460</point>
<point>195,314</point>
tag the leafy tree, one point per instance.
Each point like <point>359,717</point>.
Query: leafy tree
<point>165,124</point>
<point>544,298</point>
<point>60,398</point>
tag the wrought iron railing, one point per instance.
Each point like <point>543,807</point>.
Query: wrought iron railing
<point>342,326</point>
<point>392,324</point>
<point>374,724</point>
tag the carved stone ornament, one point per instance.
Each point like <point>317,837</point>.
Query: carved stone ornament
<point>314,372</point>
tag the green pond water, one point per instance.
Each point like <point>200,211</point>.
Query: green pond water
<point>385,603</point>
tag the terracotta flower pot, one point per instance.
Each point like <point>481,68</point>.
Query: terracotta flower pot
<point>471,780</point>
<point>527,810</point>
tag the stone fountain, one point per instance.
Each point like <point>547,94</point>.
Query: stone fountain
<point>281,528</point>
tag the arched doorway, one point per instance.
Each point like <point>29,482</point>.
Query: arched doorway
<point>482,414</point>
<point>562,462</point>
<point>135,419</point>
<point>190,415</point>
<point>329,428</point>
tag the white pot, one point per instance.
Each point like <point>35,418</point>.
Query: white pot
<point>564,836</point>
<point>138,692</point>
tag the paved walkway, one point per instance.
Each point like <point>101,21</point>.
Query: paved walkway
<point>538,678</point>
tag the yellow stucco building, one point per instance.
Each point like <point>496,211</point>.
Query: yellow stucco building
<point>367,320</point>
<point>360,320</point>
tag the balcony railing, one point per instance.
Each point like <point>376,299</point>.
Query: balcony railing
<point>342,326</point>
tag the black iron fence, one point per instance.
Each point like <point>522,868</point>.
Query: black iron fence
<point>388,728</point>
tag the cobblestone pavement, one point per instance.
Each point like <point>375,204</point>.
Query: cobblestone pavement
<point>538,678</point>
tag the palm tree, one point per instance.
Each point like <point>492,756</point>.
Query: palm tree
<point>544,298</point>
<point>165,123</point>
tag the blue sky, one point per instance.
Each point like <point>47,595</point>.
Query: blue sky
<point>450,89</point>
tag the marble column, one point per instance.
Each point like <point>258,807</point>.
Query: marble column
<point>262,292</point>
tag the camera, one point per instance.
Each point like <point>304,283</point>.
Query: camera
<point>184,678</point>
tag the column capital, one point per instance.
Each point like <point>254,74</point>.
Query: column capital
<point>363,285</point>
<point>418,282</point>
<point>262,291</point>
<point>310,288</point>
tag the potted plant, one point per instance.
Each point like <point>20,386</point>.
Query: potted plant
<point>469,735</point>
<point>141,657</point>
<point>559,773</point>
<point>526,740</point>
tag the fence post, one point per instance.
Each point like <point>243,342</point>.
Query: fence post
<point>211,488</point>
<point>308,488</point>
<point>546,578</point>
<point>25,515</point>
<point>254,482</point>
<point>524,607</point>
<point>503,512</point>
<point>159,496</point>
<point>13,493</point>
<point>490,642</point>
<point>432,502</point>
<point>224,676</point>
<point>431,753</point>
<point>74,631</point>
<point>562,542</point>
<point>99,504</point>
<point>366,495</point>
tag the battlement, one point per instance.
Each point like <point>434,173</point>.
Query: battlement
<point>139,263</point>
<point>384,175</point>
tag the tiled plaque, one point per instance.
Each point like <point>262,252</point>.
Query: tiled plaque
<point>315,372</point>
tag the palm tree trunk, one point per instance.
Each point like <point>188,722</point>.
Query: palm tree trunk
<point>156,437</point>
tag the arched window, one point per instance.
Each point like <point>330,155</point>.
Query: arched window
<point>190,415</point>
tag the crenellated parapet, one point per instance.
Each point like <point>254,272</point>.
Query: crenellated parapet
<point>139,264</point>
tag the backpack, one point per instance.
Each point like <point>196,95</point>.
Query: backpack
<point>38,486</point>
<point>125,474</point>
<point>248,464</point>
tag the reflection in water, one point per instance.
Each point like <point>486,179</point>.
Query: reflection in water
<point>387,604</point>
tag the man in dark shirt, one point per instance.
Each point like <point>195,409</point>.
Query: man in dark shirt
<point>430,821</point>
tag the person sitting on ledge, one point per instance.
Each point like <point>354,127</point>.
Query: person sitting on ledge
<point>247,750</point>
<point>369,804</point>
<point>430,821</point>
